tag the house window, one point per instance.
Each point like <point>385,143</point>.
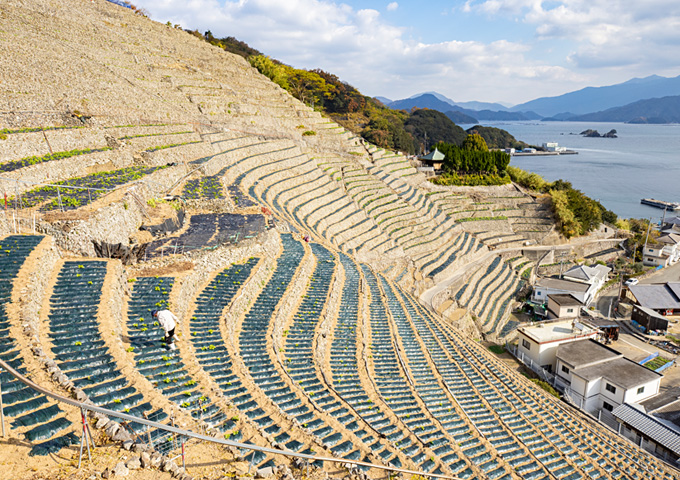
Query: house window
<point>607,406</point>
<point>641,390</point>
<point>565,369</point>
<point>526,344</point>
<point>538,293</point>
<point>610,388</point>
<point>570,310</point>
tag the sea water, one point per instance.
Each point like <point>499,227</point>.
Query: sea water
<point>643,162</point>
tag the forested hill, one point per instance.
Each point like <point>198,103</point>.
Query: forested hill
<point>409,131</point>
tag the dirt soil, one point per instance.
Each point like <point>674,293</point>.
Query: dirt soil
<point>160,270</point>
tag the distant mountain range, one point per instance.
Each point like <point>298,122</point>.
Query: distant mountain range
<point>653,110</point>
<point>596,99</point>
<point>652,99</point>
<point>457,112</point>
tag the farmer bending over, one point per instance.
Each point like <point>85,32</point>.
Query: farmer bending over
<point>168,321</point>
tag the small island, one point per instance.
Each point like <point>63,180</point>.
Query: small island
<point>595,134</point>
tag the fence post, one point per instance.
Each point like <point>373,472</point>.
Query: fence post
<point>252,458</point>
<point>59,197</point>
<point>184,465</point>
<point>2,409</point>
<point>84,438</point>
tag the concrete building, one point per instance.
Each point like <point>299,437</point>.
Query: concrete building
<point>553,147</point>
<point>563,306</point>
<point>666,252</point>
<point>596,275</point>
<point>539,342</point>
<point>581,281</point>
<point>596,377</point>
<point>554,286</point>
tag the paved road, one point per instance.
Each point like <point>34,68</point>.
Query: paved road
<point>427,296</point>
<point>668,274</point>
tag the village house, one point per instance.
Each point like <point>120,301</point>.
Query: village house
<point>596,377</point>
<point>539,342</point>
<point>581,281</point>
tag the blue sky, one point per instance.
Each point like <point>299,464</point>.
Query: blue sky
<point>507,51</point>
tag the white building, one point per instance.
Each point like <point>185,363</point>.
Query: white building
<point>553,147</point>
<point>539,342</point>
<point>665,253</point>
<point>580,281</point>
<point>563,306</point>
<point>596,377</point>
<point>596,275</point>
<point>554,286</point>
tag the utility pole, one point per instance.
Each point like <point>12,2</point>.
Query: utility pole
<point>649,226</point>
<point>663,219</point>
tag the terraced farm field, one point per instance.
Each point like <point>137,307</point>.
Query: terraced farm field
<point>293,262</point>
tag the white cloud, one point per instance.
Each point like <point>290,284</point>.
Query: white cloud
<point>376,57</point>
<point>643,36</point>
<point>392,6</point>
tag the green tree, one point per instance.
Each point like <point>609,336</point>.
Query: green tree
<point>566,219</point>
<point>474,142</point>
<point>269,68</point>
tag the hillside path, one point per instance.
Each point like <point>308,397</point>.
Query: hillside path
<point>427,296</point>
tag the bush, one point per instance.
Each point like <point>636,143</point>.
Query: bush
<point>532,181</point>
<point>472,180</point>
<point>546,386</point>
<point>269,68</point>
<point>497,349</point>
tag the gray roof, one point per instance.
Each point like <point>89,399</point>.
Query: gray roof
<point>600,322</point>
<point>675,288</point>
<point>667,401</point>
<point>657,296</point>
<point>565,299</point>
<point>650,312</point>
<point>566,285</point>
<point>648,425</point>
<point>670,239</point>
<point>622,372</point>
<point>585,353</point>
<point>586,273</point>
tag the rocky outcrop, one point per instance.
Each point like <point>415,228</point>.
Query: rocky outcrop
<point>595,134</point>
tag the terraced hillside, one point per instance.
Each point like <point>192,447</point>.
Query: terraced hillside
<point>292,259</point>
<point>328,357</point>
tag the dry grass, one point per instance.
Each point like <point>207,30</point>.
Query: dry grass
<point>162,270</point>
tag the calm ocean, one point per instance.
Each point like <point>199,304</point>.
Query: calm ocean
<point>643,162</point>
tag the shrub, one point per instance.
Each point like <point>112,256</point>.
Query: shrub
<point>546,386</point>
<point>497,349</point>
<point>269,68</point>
<point>308,133</point>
